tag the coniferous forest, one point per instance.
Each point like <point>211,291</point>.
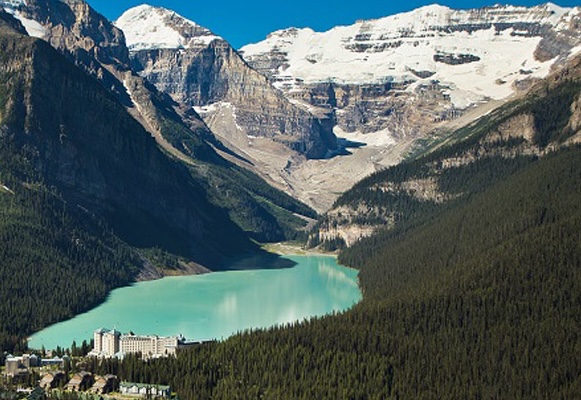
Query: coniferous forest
<point>479,297</point>
<point>476,297</point>
<point>56,261</point>
<point>483,301</point>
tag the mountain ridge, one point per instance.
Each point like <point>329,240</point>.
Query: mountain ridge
<point>539,123</point>
<point>97,47</point>
<point>413,77</point>
<point>198,69</point>
<point>427,44</point>
<point>162,28</point>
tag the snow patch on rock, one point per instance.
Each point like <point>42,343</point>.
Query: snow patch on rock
<point>33,28</point>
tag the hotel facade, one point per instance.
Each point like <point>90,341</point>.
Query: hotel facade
<point>111,343</point>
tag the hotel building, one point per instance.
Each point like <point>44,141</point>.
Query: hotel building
<point>109,343</point>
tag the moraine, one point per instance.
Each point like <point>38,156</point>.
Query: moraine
<point>216,305</point>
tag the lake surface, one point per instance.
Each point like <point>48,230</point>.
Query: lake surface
<point>216,305</point>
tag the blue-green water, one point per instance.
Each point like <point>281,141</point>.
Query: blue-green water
<point>216,305</point>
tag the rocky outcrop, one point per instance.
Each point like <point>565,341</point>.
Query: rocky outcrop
<point>85,36</point>
<point>544,121</point>
<point>78,139</point>
<point>558,43</point>
<point>370,108</point>
<point>95,45</point>
<point>455,59</point>
<point>198,69</point>
<point>427,52</point>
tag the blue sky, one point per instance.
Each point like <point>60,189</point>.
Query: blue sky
<point>243,22</point>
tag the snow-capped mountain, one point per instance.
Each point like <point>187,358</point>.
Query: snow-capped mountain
<point>384,82</point>
<point>201,70</point>
<point>146,28</point>
<point>464,57</point>
<point>95,45</point>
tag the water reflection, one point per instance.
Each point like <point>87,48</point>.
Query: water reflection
<point>214,306</point>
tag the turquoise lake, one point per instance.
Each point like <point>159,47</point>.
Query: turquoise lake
<point>215,305</point>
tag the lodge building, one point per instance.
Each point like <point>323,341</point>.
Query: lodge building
<point>110,343</point>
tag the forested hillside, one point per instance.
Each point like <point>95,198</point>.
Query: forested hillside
<point>88,199</point>
<point>471,281</point>
<point>475,297</point>
<point>482,301</point>
<point>448,169</point>
<point>56,261</point>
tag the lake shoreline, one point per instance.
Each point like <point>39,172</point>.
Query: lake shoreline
<point>292,249</point>
<point>152,273</point>
<point>214,306</point>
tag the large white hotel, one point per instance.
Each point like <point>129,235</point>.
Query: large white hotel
<point>109,343</point>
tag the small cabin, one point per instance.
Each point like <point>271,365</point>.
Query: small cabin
<point>80,381</point>
<point>104,384</point>
<point>52,380</point>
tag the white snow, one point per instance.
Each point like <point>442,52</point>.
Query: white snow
<point>222,107</point>
<point>130,93</point>
<point>146,27</point>
<point>380,138</point>
<point>12,3</point>
<point>211,108</point>
<point>400,44</point>
<point>575,50</point>
<point>32,27</point>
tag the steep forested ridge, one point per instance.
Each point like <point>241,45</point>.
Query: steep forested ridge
<point>56,258</point>
<point>475,297</point>
<point>483,301</point>
<point>56,261</point>
<point>87,198</point>
<point>445,171</point>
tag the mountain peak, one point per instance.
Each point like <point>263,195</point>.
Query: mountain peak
<point>147,27</point>
<point>391,48</point>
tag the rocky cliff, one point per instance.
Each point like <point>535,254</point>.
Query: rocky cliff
<point>201,70</point>
<point>463,163</point>
<point>391,81</point>
<point>406,72</point>
<point>75,136</point>
<point>384,83</point>
<point>97,47</point>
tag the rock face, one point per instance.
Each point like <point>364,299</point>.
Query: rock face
<point>543,121</point>
<point>384,83</point>
<point>95,45</point>
<point>98,48</point>
<point>52,116</point>
<point>404,74</point>
<point>198,69</point>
